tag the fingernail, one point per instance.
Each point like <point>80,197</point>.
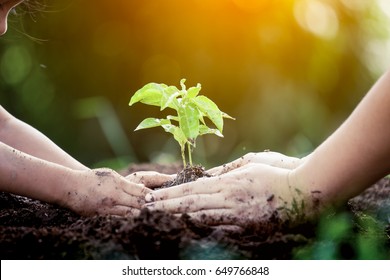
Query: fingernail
<point>149,205</point>
<point>149,198</point>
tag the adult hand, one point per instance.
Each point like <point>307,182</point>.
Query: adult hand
<point>103,191</point>
<point>266,157</point>
<point>252,193</point>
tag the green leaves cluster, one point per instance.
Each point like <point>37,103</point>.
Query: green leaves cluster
<point>191,110</point>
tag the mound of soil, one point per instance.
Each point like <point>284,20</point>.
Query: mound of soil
<point>30,229</point>
<point>188,174</point>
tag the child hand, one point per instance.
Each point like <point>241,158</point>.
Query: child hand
<point>253,192</point>
<point>266,157</point>
<point>103,191</point>
<point>150,179</point>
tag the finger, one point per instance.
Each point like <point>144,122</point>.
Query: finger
<point>130,201</point>
<point>228,167</point>
<point>135,189</point>
<point>200,186</point>
<point>275,159</point>
<point>216,170</point>
<point>190,203</point>
<point>125,198</point>
<point>150,179</point>
<point>209,185</point>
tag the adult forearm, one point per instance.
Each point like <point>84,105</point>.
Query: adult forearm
<point>356,155</point>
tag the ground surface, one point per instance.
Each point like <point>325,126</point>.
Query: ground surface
<point>30,229</point>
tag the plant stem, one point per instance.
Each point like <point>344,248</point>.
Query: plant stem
<point>183,155</point>
<point>189,153</point>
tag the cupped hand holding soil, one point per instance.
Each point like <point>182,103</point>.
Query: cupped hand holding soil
<point>102,191</point>
<point>254,192</point>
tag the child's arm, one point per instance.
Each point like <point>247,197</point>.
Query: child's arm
<point>86,192</point>
<point>351,159</point>
<point>25,138</point>
<point>357,154</point>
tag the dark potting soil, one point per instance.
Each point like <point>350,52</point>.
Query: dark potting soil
<point>187,174</point>
<point>30,229</point>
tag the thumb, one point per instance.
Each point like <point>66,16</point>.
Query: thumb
<point>150,179</point>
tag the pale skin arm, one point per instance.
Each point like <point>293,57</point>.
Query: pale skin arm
<point>32,165</point>
<point>357,154</point>
<point>350,160</point>
<point>87,192</point>
<point>25,138</point>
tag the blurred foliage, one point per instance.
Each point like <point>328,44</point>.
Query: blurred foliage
<point>342,236</point>
<point>289,71</point>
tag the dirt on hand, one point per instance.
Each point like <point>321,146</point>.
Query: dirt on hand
<point>30,229</point>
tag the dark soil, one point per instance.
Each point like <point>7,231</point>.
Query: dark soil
<point>188,174</point>
<point>30,229</point>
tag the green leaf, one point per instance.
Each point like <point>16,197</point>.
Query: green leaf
<point>192,92</point>
<point>203,129</point>
<point>192,110</point>
<point>227,116</point>
<point>210,110</point>
<point>179,136</point>
<point>150,94</point>
<point>168,98</point>
<point>201,119</point>
<point>176,132</point>
<point>189,120</point>
<point>175,118</point>
<point>182,83</point>
<point>169,127</point>
<point>152,122</point>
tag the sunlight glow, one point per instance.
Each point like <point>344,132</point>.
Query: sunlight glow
<point>385,7</point>
<point>377,53</point>
<point>357,5</point>
<point>317,18</point>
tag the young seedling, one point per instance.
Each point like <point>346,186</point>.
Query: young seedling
<point>191,110</point>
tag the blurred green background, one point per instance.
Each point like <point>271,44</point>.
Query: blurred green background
<point>289,71</point>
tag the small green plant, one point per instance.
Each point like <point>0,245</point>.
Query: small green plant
<point>191,110</point>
